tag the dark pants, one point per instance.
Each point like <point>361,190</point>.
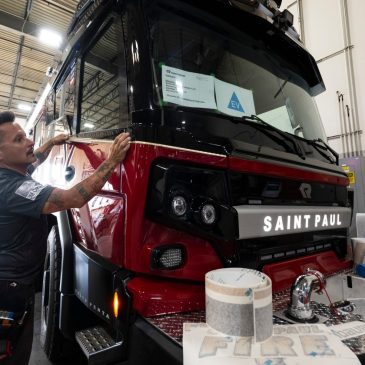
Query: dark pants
<point>18,297</point>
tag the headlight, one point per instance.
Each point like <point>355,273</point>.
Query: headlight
<point>194,199</point>
<point>179,205</point>
<point>208,214</point>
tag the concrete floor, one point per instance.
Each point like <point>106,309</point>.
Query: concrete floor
<point>38,357</point>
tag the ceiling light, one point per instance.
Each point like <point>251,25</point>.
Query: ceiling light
<point>50,38</point>
<point>38,108</point>
<point>88,125</point>
<point>25,107</point>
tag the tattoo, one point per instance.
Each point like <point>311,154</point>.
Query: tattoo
<point>105,178</point>
<point>95,186</point>
<point>104,171</point>
<point>40,156</point>
<point>93,183</point>
<point>85,195</point>
<point>55,198</point>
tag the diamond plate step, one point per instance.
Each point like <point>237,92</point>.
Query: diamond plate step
<point>98,346</point>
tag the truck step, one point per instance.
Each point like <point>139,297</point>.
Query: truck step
<point>98,346</point>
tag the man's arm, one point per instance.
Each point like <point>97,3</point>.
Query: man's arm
<point>81,193</point>
<point>43,151</point>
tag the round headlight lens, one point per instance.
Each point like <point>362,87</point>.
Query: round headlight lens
<point>179,205</point>
<point>208,214</point>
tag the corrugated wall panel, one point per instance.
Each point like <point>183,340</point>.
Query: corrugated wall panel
<point>22,91</point>
<point>43,12</point>
<point>14,7</point>
<point>30,73</point>
<point>6,79</point>
<point>6,67</point>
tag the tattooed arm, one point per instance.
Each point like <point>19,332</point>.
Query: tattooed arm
<point>43,151</point>
<point>81,193</point>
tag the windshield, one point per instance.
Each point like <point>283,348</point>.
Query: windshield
<point>200,66</point>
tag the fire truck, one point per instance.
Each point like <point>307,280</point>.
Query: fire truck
<point>228,167</point>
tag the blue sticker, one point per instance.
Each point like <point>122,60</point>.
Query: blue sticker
<point>235,104</point>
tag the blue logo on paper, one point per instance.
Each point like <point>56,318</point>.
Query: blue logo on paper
<point>235,104</point>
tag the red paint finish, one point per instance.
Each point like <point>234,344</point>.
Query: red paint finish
<point>107,219</point>
<point>86,158</point>
<point>152,296</point>
<point>114,225</point>
<point>264,168</point>
<point>200,259</point>
<point>103,226</point>
<point>284,273</point>
<point>99,223</point>
<point>141,234</point>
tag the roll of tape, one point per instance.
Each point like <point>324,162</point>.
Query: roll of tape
<point>239,302</point>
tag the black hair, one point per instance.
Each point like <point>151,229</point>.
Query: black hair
<point>7,117</point>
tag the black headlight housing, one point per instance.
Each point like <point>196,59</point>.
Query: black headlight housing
<point>192,198</point>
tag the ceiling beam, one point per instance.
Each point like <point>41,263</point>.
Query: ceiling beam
<point>20,87</point>
<point>16,69</point>
<point>28,9</point>
<point>19,54</point>
<point>60,6</point>
<point>101,64</point>
<point>2,96</point>
<point>18,25</point>
<point>24,67</point>
<point>40,50</point>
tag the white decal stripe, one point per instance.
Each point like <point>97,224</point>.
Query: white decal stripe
<point>96,141</point>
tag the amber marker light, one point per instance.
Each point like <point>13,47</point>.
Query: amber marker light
<point>116,304</point>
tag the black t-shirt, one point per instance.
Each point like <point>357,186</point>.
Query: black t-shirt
<point>23,227</point>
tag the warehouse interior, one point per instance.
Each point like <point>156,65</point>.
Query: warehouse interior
<point>24,58</point>
<point>330,30</point>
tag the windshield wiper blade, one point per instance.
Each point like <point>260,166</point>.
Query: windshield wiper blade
<point>296,147</point>
<point>319,144</point>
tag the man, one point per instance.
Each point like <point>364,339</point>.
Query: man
<point>23,227</point>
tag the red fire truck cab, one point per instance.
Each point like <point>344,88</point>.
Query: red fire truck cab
<point>227,168</point>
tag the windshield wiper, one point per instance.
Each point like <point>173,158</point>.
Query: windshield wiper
<point>296,147</point>
<point>321,146</point>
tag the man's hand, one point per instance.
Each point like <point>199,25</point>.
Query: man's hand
<point>60,139</point>
<point>119,148</point>
<point>82,192</point>
<point>43,151</point>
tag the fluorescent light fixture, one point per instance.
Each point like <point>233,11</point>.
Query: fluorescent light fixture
<point>50,38</point>
<point>25,107</point>
<point>88,125</point>
<point>38,107</point>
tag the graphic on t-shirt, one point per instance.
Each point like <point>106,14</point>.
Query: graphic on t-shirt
<point>29,189</point>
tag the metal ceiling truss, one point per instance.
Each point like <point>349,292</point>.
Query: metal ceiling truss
<point>23,64</point>
<point>101,103</point>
